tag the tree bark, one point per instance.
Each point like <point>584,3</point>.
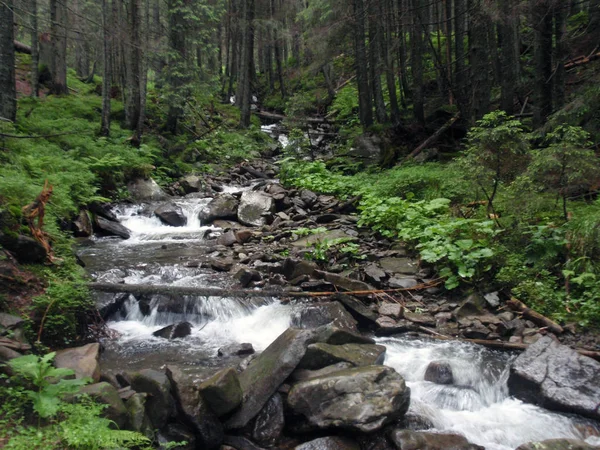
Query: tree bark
<point>362,75</point>
<point>416,57</point>
<point>375,66</point>
<point>387,40</point>
<point>542,24</point>
<point>246,67</point>
<point>509,55</point>
<point>8,93</point>
<point>133,104</point>
<point>35,54</point>
<point>58,31</point>
<point>560,54</point>
<point>106,71</point>
<point>460,67</point>
<point>480,62</point>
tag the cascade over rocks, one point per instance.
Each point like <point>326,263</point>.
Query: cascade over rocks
<point>361,399</point>
<point>557,377</point>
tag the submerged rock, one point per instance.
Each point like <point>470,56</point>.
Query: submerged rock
<point>420,440</point>
<point>360,399</point>
<point>175,331</point>
<point>557,377</point>
<point>171,214</point>
<point>439,372</point>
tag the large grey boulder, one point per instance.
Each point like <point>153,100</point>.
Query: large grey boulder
<point>160,404</point>
<point>193,410</point>
<point>222,391</point>
<point>422,440</point>
<point>82,225</point>
<point>191,183</point>
<point>330,443</point>
<point>171,214</point>
<point>107,227</point>
<point>106,394</point>
<point>316,315</point>
<point>223,206</point>
<point>321,355</point>
<point>138,419</point>
<point>83,360</point>
<point>558,444</point>
<point>254,208</point>
<point>268,371</point>
<point>146,190</point>
<point>361,399</point>
<point>269,422</point>
<point>557,377</point>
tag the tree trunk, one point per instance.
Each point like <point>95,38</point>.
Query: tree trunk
<point>133,102</point>
<point>509,55</point>
<point>480,63</point>
<point>246,68</point>
<point>387,40</point>
<point>35,54</point>
<point>375,67</point>
<point>8,93</point>
<point>278,52</point>
<point>416,56</point>
<point>460,67</point>
<point>106,71</point>
<point>542,24</point>
<point>362,75</point>
<point>58,30</point>
<point>560,54</point>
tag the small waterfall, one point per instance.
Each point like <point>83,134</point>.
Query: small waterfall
<point>477,405</point>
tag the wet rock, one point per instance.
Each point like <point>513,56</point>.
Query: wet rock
<point>316,315</point>
<point>138,419</point>
<point>329,235</point>
<point>171,214</point>
<point>222,391</point>
<point>160,404</point>
<point>476,333</point>
<point>425,320</point>
<point>374,273</point>
<point>191,183</point>
<point>439,372</point>
<point>473,305</point>
<point>365,316</point>
<point>103,210</point>
<point>243,236</point>
<point>394,310</point>
<point>146,190</point>
<point>246,276</point>
<point>6,354</point>
<point>193,410</point>
<point>267,371</point>
<point>106,227</point>
<point>402,282</point>
<point>321,355</point>
<point>340,336</point>
<point>330,443</point>
<point>388,326</point>
<point>556,377</point>
<point>240,443</point>
<point>227,239</point>
<point>10,322</point>
<point>367,148</point>
<point>221,265</point>
<point>175,331</point>
<point>269,422</point>
<point>362,399</point>
<point>327,218</point>
<point>176,432</point>
<point>236,350</point>
<point>308,197</point>
<point>106,394</point>
<point>307,374</point>
<point>399,265</point>
<point>421,440</point>
<point>558,444</point>
<point>493,299</point>
<point>223,206</point>
<point>293,268</point>
<point>82,225</point>
<point>26,250</point>
<point>83,360</point>
<point>254,208</point>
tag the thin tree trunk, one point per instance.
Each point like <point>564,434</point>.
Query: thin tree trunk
<point>479,61</point>
<point>246,72</point>
<point>416,57</point>
<point>375,61</point>
<point>278,52</point>
<point>362,75</point>
<point>35,54</point>
<point>509,56</point>
<point>560,55</point>
<point>106,71</point>
<point>460,71</point>
<point>542,24</point>
<point>8,93</point>
<point>58,18</point>
<point>386,41</point>
<point>134,71</point>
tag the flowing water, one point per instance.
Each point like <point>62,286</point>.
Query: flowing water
<point>476,406</point>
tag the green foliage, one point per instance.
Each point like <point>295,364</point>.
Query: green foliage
<point>345,105</point>
<point>67,425</point>
<point>334,249</point>
<point>308,231</point>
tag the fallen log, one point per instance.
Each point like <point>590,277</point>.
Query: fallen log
<point>22,48</point>
<point>535,317</point>
<point>274,116</point>
<point>147,289</point>
<point>501,345</point>
<point>431,139</point>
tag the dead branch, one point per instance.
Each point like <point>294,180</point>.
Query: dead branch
<point>34,215</point>
<point>534,316</point>
<point>431,139</point>
<point>22,48</point>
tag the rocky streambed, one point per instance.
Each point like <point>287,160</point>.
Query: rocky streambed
<point>336,372</point>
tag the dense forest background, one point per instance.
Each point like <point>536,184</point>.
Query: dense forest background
<point>499,98</point>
